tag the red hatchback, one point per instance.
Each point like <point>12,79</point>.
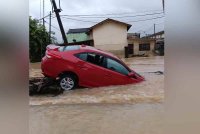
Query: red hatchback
<point>86,66</point>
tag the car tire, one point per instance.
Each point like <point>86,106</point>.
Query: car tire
<point>68,82</point>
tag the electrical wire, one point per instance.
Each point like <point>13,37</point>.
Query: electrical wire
<point>127,21</point>
<point>139,15</point>
<point>147,28</point>
<point>78,20</point>
<point>77,15</point>
<point>53,26</point>
<point>147,19</point>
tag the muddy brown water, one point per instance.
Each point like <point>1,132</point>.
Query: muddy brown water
<point>127,109</point>
<point>97,119</point>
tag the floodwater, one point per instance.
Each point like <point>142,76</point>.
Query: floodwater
<point>127,109</point>
<point>97,119</point>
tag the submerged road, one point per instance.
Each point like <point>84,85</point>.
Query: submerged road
<point>97,119</point>
<point>127,109</point>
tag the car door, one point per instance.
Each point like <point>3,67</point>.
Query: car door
<point>90,69</point>
<point>116,73</point>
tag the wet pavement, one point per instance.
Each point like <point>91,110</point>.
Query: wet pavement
<point>135,108</point>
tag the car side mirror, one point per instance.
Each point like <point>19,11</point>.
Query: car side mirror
<point>131,74</point>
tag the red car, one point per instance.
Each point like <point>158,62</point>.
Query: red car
<point>81,65</point>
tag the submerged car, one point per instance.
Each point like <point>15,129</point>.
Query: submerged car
<point>85,66</point>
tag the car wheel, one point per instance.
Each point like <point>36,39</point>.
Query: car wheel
<point>68,82</point>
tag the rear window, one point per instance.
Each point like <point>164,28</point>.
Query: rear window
<point>68,48</point>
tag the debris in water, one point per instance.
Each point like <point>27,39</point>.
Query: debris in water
<point>157,72</point>
<point>43,86</point>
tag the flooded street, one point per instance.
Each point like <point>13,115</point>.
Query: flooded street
<point>127,109</point>
<point>96,119</point>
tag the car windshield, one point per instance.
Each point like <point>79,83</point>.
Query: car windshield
<point>68,48</point>
<point>116,66</point>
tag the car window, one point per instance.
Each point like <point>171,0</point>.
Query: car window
<point>82,56</point>
<point>96,59</point>
<point>116,66</point>
<point>69,48</point>
<point>92,58</point>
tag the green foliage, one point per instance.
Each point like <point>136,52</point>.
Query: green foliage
<point>38,40</point>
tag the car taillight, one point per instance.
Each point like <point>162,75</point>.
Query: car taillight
<point>52,55</point>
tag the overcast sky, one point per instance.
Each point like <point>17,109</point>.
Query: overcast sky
<point>126,8</point>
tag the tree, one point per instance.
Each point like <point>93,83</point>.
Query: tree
<point>38,40</point>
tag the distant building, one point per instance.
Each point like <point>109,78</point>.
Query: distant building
<point>159,42</point>
<point>133,35</point>
<point>149,45</point>
<point>158,35</point>
<point>140,46</point>
<point>79,36</point>
<point>111,35</point>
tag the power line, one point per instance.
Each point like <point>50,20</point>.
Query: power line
<point>127,21</point>
<point>71,17</point>
<point>139,15</point>
<point>44,17</point>
<point>148,29</point>
<point>147,19</point>
<point>111,13</point>
<point>53,26</point>
<point>78,20</point>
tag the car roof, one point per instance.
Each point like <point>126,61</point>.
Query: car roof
<point>93,49</point>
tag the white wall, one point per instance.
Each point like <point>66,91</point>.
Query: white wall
<point>110,36</point>
<point>136,47</point>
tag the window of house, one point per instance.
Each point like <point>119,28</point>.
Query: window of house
<point>116,66</point>
<point>144,47</point>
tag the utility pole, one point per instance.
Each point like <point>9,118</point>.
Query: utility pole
<point>50,28</point>
<point>154,35</point>
<point>163,3</point>
<point>57,11</point>
<point>43,29</point>
<point>40,11</point>
<point>43,12</point>
<point>154,29</point>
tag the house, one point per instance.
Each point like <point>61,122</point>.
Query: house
<point>159,42</point>
<point>79,36</point>
<point>149,45</point>
<point>140,46</point>
<point>108,35</point>
<point>111,35</point>
<point>158,35</point>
